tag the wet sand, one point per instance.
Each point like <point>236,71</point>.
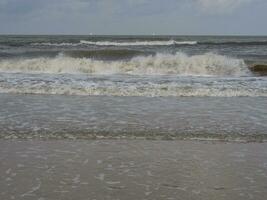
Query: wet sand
<point>131,169</point>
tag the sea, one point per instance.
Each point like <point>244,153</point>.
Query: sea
<point>168,87</point>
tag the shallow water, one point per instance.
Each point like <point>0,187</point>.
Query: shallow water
<point>55,116</point>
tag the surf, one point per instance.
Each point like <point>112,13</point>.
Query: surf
<point>209,64</point>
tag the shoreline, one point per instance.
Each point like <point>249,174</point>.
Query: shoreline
<point>259,138</point>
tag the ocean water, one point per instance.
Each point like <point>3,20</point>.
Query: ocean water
<point>112,69</point>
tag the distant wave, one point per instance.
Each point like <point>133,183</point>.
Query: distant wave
<point>143,43</point>
<point>110,43</point>
<point>151,43</point>
<point>159,64</point>
<point>55,44</point>
<point>139,43</point>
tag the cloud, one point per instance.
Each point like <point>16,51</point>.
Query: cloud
<point>18,7</point>
<point>220,6</point>
<point>131,16</point>
<point>117,7</point>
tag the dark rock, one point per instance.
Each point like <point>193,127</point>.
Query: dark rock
<point>259,69</point>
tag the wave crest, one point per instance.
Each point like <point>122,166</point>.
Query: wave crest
<point>159,64</point>
<point>110,43</point>
<point>139,43</point>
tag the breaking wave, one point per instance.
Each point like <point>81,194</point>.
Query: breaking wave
<point>159,64</point>
<point>106,54</point>
<point>110,43</point>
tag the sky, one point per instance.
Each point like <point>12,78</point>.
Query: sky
<point>130,17</point>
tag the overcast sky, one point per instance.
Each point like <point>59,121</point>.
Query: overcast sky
<point>246,17</point>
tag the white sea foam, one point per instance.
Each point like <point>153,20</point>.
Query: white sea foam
<point>139,43</point>
<point>133,89</point>
<point>109,43</point>
<point>159,64</point>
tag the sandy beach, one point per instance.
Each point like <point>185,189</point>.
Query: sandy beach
<point>132,169</point>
